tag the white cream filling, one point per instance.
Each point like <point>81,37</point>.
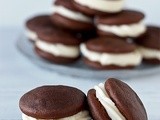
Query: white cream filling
<point>149,53</point>
<point>111,6</point>
<point>124,59</point>
<point>58,49</point>
<point>71,14</point>
<point>107,103</point>
<point>83,115</point>
<point>131,30</point>
<point>31,34</point>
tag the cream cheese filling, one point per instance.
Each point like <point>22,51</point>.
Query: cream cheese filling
<point>107,103</point>
<point>131,30</point>
<point>58,49</point>
<point>31,34</point>
<point>110,6</point>
<point>83,115</point>
<point>149,53</point>
<point>71,14</point>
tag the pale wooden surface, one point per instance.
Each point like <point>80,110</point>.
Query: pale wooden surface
<point>18,75</point>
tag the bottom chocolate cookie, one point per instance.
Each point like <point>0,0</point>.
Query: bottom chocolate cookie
<point>54,59</point>
<point>96,108</point>
<point>152,61</point>
<point>69,24</point>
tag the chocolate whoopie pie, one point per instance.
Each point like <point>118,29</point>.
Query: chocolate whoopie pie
<point>54,102</point>
<point>149,45</point>
<point>99,7</point>
<point>35,24</point>
<point>128,23</point>
<point>115,100</point>
<point>65,15</point>
<point>110,53</point>
<point>57,46</point>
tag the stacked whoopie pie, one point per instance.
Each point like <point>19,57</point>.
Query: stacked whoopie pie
<point>108,36</point>
<point>58,36</point>
<point>114,26</point>
<point>112,100</point>
<point>118,29</point>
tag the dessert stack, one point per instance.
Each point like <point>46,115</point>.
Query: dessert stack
<point>107,35</point>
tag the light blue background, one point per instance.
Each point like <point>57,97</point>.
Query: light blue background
<point>14,12</point>
<point>18,75</point>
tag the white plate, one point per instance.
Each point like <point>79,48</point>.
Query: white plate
<point>79,69</point>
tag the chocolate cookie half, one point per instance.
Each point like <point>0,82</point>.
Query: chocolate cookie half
<point>35,24</point>
<point>115,100</point>
<point>128,23</point>
<point>57,46</point>
<point>54,102</point>
<point>149,45</point>
<point>110,53</point>
<point>65,15</point>
<point>99,7</point>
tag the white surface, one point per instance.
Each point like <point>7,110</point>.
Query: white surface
<point>14,12</point>
<point>18,75</point>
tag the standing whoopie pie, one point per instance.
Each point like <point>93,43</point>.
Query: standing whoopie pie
<point>149,45</point>
<point>99,7</point>
<point>115,100</point>
<point>57,46</point>
<point>110,53</point>
<point>54,103</point>
<point>35,24</point>
<point>128,23</point>
<point>65,15</point>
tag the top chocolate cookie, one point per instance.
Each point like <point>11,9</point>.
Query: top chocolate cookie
<point>110,45</point>
<point>151,39</point>
<point>126,100</point>
<point>125,17</point>
<point>38,22</point>
<point>53,102</point>
<point>55,35</point>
